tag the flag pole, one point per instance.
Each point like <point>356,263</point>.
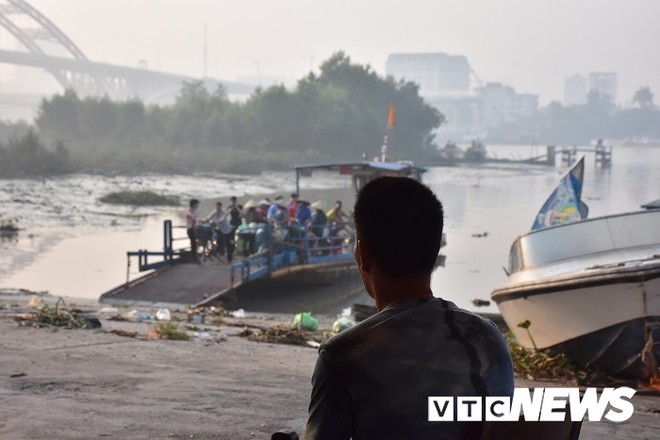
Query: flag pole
<point>391,120</point>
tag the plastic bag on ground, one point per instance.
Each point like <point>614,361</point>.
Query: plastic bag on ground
<point>305,321</point>
<point>240,313</point>
<point>342,323</point>
<point>163,315</point>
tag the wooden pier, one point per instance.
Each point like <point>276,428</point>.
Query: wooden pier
<point>602,154</point>
<point>567,156</point>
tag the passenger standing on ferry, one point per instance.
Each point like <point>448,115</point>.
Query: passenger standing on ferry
<point>319,219</point>
<point>279,217</point>
<point>251,214</point>
<point>221,225</point>
<point>303,214</point>
<point>292,206</point>
<point>262,210</point>
<point>274,207</point>
<point>235,213</point>
<point>336,215</point>
<point>317,223</point>
<point>192,220</point>
<point>373,380</point>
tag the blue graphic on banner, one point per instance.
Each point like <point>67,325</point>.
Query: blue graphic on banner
<point>564,204</point>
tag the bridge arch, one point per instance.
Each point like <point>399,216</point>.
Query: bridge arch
<point>31,28</point>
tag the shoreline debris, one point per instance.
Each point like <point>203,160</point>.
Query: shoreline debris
<point>47,315</point>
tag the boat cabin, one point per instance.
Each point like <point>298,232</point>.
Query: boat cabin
<point>362,172</point>
<point>603,239</point>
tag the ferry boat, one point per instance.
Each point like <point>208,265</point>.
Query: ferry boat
<point>297,262</point>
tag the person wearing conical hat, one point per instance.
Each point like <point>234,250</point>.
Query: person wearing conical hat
<point>319,220</point>
<point>262,209</point>
<point>277,212</point>
<point>272,209</point>
<point>251,211</point>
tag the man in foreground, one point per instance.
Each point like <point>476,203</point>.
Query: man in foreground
<point>373,380</point>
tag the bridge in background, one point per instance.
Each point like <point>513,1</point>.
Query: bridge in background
<point>49,48</point>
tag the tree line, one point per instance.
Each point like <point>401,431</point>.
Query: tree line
<point>338,114</point>
<point>24,155</point>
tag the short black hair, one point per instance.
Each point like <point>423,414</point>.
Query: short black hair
<point>193,202</point>
<point>400,220</point>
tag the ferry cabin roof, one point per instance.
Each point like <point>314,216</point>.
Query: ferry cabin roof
<point>363,171</point>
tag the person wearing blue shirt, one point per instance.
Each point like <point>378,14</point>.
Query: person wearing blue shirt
<point>274,207</point>
<point>303,214</point>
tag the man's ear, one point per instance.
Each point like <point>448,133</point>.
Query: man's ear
<point>363,257</point>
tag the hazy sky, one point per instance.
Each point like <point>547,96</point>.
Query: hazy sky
<point>532,45</point>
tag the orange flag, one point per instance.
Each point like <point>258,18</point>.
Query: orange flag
<point>391,117</point>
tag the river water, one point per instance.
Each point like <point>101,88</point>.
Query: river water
<point>72,245</point>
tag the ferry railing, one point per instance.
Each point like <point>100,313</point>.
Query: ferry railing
<point>299,247</point>
<point>167,256</point>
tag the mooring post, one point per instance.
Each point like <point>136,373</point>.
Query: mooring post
<point>550,152</point>
<point>167,240</point>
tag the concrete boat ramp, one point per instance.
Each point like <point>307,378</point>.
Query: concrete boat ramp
<point>176,285</point>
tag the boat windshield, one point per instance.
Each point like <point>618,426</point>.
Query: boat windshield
<point>515,258</point>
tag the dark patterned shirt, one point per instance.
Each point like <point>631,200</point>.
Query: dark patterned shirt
<point>373,381</point>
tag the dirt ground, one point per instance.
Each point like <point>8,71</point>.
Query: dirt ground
<point>86,384</point>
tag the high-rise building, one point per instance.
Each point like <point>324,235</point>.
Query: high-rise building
<point>604,83</point>
<point>575,90</point>
<point>502,105</point>
<point>434,72</point>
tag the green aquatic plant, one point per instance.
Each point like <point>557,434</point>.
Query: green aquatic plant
<point>167,330</point>
<point>540,364</point>
<point>140,198</point>
<point>526,325</point>
<point>8,224</point>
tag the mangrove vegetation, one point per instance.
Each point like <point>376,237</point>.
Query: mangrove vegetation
<point>339,113</point>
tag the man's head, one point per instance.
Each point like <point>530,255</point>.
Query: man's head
<point>218,206</point>
<point>400,221</point>
<point>194,203</point>
<point>233,200</point>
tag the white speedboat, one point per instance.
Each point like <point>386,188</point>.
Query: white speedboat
<point>590,289</point>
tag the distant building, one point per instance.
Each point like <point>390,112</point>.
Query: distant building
<point>575,90</point>
<point>444,82</point>
<point>604,83</point>
<point>434,72</point>
<point>463,116</point>
<point>502,105</point>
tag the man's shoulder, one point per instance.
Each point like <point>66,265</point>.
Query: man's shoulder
<point>390,316</point>
<point>435,315</point>
<point>467,321</point>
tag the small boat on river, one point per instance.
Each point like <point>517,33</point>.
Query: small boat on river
<point>589,288</point>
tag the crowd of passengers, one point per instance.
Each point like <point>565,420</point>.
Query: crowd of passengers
<point>293,219</point>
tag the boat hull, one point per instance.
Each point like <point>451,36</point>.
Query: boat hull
<point>599,318</point>
<point>620,349</point>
